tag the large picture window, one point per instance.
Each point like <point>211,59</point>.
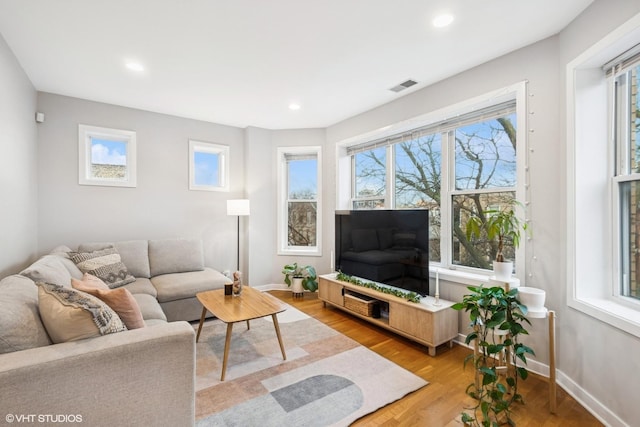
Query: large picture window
<point>106,156</point>
<point>460,165</point>
<point>299,207</point>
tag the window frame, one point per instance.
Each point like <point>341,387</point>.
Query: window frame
<point>593,267</point>
<point>622,175</point>
<point>223,165</point>
<point>283,198</point>
<point>86,134</point>
<point>515,92</point>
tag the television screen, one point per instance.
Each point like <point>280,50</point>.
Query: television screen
<point>385,246</point>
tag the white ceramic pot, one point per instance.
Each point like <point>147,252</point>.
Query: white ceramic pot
<point>502,270</point>
<point>296,285</point>
<point>534,299</point>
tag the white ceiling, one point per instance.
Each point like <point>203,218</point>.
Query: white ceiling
<point>242,62</point>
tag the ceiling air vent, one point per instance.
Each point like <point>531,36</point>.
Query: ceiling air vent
<point>404,85</point>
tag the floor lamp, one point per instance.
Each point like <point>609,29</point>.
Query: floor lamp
<point>238,207</point>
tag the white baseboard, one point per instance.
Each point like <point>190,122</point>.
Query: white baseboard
<point>593,405</point>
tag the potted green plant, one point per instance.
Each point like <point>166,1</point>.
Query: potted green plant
<point>500,225</point>
<point>300,277</point>
<point>498,320</point>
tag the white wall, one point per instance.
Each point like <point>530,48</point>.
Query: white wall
<point>18,165</point>
<point>161,206</point>
<point>265,265</point>
<point>598,364</point>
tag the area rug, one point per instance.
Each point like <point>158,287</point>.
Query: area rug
<point>328,379</point>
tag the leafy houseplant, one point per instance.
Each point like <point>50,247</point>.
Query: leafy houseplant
<point>500,225</point>
<point>306,273</point>
<point>497,318</point>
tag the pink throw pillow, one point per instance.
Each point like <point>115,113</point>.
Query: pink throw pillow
<point>89,281</point>
<point>119,299</point>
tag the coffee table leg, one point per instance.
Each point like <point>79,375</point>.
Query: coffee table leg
<point>204,313</point>
<point>277,326</point>
<point>227,341</point>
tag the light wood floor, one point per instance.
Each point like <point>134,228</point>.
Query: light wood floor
<point>440,403</point>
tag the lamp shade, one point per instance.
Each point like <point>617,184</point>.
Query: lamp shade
<point>238,207</point>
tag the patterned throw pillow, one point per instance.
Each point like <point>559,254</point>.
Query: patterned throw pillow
<point>69,315</point>
<point>120,299</point>
<point>105,264</point>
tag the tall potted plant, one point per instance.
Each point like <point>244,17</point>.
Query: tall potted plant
<point>500,225</point>
<point>300,277</point>
<point>498,320</point>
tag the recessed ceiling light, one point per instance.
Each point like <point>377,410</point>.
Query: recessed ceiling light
<point>442,20</point>
<point>293,106</point>
<point>134,66</point>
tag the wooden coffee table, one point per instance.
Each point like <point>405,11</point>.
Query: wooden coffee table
<point>251,304</point>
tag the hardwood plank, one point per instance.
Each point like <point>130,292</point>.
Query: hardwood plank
<point>441,402</point>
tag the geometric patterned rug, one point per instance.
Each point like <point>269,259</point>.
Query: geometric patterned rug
<point>328,379</point>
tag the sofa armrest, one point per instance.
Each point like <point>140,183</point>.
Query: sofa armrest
<point>139,377</point>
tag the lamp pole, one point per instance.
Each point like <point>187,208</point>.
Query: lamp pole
<point>238,246</point>
<point>238,208</point>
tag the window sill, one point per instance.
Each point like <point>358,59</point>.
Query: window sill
<point>609,311</point>
<point>300,252</point>
<point>463,278</point>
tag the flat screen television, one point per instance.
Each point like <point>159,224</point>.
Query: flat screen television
<point>385,246</point>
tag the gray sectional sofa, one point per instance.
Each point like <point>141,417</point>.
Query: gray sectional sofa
<point>137,377</point>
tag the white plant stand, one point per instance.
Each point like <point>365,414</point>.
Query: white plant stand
<point>550,315</point>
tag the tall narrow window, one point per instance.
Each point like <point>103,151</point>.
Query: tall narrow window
<point>106,156</point>
<point>627,139</point>
<point>299,213</point>
<point>603,185</point>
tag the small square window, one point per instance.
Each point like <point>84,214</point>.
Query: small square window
<point>106,156</point>
<point>208,166</point>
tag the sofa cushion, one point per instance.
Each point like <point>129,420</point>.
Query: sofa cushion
<point>175,256</point>
<point>63,253</point>
<point>20,324</point>
<point>70,315</point>
<point>133,253</point>
<point>153,322</point>
<point>150,308</point>
<point>105,264</point>
<point>365,239</point>
<point>119,299</point>
<point>177,286</point>
<point>50,269</point>
<point>142,285</point>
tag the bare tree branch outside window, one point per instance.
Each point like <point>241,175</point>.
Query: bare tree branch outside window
<point>485,160</point>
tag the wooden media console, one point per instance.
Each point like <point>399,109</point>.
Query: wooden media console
<point>422,322</point>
